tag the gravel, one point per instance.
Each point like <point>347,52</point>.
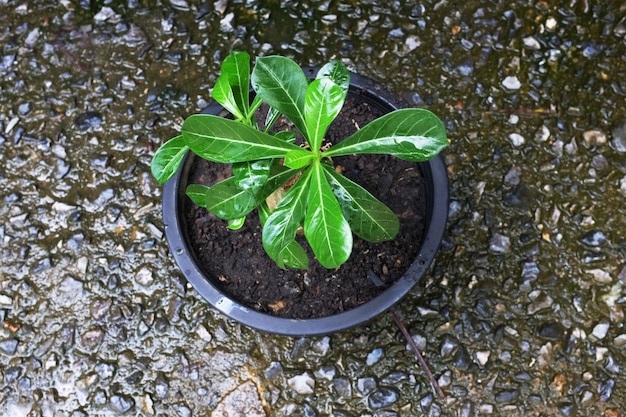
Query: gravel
<point>522,313</point>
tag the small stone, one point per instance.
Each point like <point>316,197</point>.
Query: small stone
<point>374,356</point>
<point>161,387</point>
<point>542,134</point>
<point>87,120</point>
<point>144,276</point>
<point>606,390</point>
<point>600,330</point>
<point>507,396</point>
<point>516,139</point>
<point>620,340</point>
<point>412,42</point>
<point>513,176</point>
<point>552,331</point>
<point>511,83</point>
<point>532,43</point>
<point>601,276</point>
<point>366,385</point>
<point>483,357</point>
<point>343,388</point>
<point>500,243</point>
<point>9,346</point>
<point>594,137</point>
<point>5,300</point>
<point>541,301</point>
<point>383,397</point>
<point>594,238</point>
<point>92,338</point>
<point>321,347</point>
<point>122,403</point>
<point>302,384</point>
<point>619,136</point>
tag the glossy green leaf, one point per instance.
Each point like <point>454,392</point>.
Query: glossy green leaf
<point>325,228</point>
<point>197,193</point>
<point>409,134</point>
<point>294,256</point>
<point>236,70</point>
<point>236,224</point>
<point>369,218</point>
<point>223,94</point>
<point>298,158</point>
<point>337,73</point>
<point>271,117</point>
<point>229,202</point>
<point>286,135</point>
<point>227,141</point>
<point>252,175</point>
<point>281,83</point>
<point>167,159</point>
<point>324,99</point>
<point>281,226</point>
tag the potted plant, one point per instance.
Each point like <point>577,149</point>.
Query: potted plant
<point>294,186</point>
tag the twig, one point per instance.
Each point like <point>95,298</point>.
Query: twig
<point>415,349</point>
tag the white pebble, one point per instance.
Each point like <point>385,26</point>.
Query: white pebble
<point>483,357</point>
<point>144,276</point>
<point>512,83</point>
<point>517,139</point>
<point>600,330</point>
<point>302,384</point>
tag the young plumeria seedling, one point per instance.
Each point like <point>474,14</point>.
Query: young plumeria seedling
<point>325,204</point>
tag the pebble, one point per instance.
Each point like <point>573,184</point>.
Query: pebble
<point>605,389</point>
<point>600,330</point>
<point>507,396</point>
<point>500,243</point>
<point>374,356</point>
<point>366,385</point>
<point>9,346</point>
<point>540,301</point>
<point>594,238</point>
<point>530,42</point>
<point>551,331</point>
<point>93,337</point>
<point>619,136</point>
<point>302,384</point>
<point>516,139</point>
<point>122,403</point>
<point>144,276</point>
<point>511,83</point>
<point>382,397</point>
<point>88,120</point>
<point>601,276</point>
<point>482,356</point>
<point>594,137</point>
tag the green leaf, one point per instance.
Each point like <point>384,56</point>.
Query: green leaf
<point>322,104</point>
<point>281,83</point>
<point>197,193</point>
<point>252,175</point>
<point>229,202</point>
<point>337,73</point>
<point>369,218</point>
<point>409,134</point>
<point>167,159</point>
<point>325,227</point>
<point>223,140</point>
<point>286,135</point>
<point>298,158</point>
<point>223,94</point>
<point>236,224</point>
<point>271,117</point>
<point>294,256</point>
<point>235,72</point>
<point>281,226</point>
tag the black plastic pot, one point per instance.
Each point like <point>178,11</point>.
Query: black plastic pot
<point>434,172</point>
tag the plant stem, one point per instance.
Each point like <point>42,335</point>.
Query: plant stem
<point>420,359</point>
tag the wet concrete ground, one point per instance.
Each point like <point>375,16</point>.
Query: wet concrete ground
<point>522,314</point>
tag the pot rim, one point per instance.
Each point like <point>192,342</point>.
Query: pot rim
<point>434,171</point>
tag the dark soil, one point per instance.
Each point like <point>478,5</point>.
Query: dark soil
<point>238,263</point>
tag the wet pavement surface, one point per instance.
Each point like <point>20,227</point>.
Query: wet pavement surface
<point>521,315</point>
